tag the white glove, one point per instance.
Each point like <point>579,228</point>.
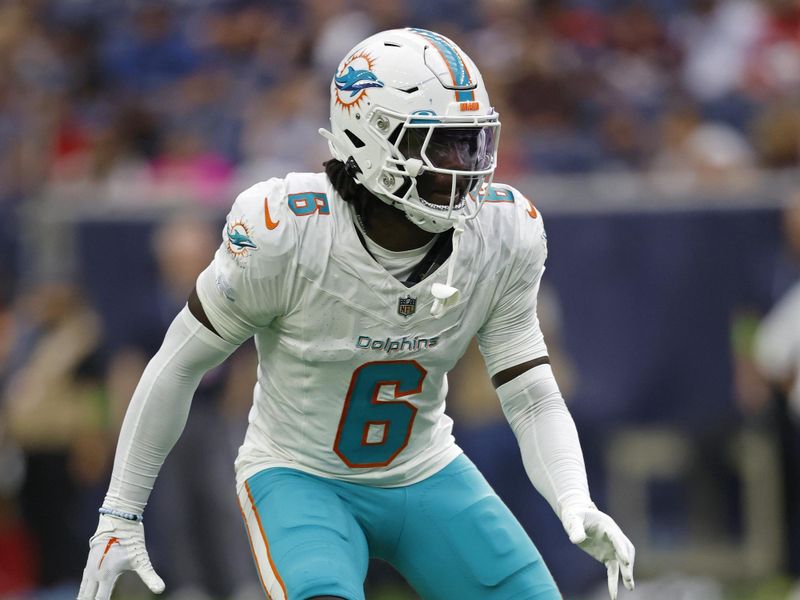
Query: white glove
<point>117,546</point>
<point>598,535</point>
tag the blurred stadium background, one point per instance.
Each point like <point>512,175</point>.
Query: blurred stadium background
<point>661,140</point>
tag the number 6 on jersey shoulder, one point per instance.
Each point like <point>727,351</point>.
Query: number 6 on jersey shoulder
<point>373,432</point>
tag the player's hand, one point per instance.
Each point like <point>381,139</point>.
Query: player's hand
<point>117,546</point>
<point>597,534</point>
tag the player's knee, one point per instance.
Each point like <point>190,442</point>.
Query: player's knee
<point>323,577</point>
<point>542,587</point>
<point>495,546</point>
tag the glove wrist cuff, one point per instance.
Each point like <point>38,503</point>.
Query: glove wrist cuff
<point>121,514</point>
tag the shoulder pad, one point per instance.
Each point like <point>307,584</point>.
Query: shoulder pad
<point>307,196</point>
<point>515,218</point>
<point>504,193</point>
<point>280,221</point>
<point>507,207</point>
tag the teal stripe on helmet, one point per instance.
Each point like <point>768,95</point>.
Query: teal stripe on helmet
<point>461,77</point>
<point>465,96</point>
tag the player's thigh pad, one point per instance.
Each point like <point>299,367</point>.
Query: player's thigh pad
<point>463,543</point>
<point>304,539</point>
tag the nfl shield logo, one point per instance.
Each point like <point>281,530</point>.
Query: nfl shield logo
<point>407,306</point>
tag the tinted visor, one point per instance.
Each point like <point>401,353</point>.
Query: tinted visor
<point>450,148</point>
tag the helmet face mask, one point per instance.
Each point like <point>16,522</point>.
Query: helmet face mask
<point>411,110</point>
<point>454,159</point>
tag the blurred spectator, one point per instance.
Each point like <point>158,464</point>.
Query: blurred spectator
<point>17,563</point>
<point>701,156</point>
<point>774,66</point>
<point>777,133</point>
<point>777,357</point>
<point>188,167</point>
<point>777,349</point>
<point>18,576</point>
<point>715,150</point>
<point>54,405</point>
<point>146,49</point>
<point>111,156</point>
<point>624,147</point>
<point>717,37</point>
<point>638,54</point>
<point>338,28</point>
<point>281,127</point>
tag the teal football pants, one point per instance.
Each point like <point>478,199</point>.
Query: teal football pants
<point>450,536</point>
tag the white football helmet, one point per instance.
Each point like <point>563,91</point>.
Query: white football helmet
<point>411,120</point>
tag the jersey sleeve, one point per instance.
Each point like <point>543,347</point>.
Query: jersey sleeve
<point>243,289</point>
<point>511,335</point>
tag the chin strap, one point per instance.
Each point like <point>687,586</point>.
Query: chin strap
<point>445,295</point>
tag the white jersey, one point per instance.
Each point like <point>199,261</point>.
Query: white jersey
<point>352,365</point>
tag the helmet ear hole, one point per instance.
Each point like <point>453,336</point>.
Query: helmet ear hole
<point>352,168</point>
<point>354,139</point>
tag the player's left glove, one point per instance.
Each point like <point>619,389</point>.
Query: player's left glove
<point>597,534</point>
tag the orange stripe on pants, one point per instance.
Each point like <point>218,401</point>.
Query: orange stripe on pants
<point>273,568</point>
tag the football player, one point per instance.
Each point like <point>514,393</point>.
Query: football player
<point>362,286</point>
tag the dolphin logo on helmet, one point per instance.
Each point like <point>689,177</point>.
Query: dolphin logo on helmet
<point>356,75</point>
<point>354,81</point>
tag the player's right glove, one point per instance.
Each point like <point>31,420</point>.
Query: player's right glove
<point>597,534</point>
<point>117,546</point>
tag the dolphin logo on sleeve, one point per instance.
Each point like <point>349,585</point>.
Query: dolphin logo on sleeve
<point>239,239</point>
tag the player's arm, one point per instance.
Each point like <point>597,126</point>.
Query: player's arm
<point>153,423</point>
<point>230,301</point>
<point>516,356</point>
<point>552,456</point>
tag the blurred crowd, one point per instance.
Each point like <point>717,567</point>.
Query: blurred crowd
<point>145,101</point>
<point>194,95</point>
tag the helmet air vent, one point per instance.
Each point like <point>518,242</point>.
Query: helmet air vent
<point>357,141</point>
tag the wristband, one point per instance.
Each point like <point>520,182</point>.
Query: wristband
<point>128,516</point>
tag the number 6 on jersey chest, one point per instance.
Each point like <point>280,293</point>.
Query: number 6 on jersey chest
<point>373,432</point>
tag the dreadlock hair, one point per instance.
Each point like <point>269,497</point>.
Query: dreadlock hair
<point>348,188</point>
